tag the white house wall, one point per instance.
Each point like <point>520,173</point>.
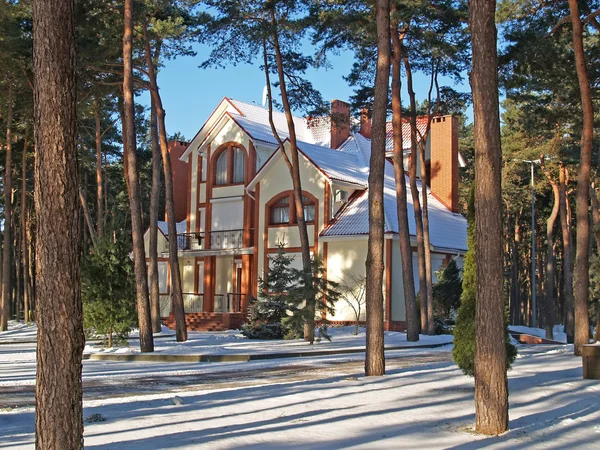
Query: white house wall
<point>276,180</point>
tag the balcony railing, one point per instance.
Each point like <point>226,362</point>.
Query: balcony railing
<point>230,302</point>
<point>213,240</point>
<point>192,303</point>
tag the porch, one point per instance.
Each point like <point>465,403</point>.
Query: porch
<point>225,312</point>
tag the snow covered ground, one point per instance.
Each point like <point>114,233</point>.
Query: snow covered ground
<point>426,406</point>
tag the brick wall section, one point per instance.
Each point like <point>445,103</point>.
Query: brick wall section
<point>181,182</point>
<point>444,161</point>
<point>340,122</point>
<point>208,321</point>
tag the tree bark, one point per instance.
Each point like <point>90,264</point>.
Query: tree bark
<point>375,357</point>
<point>153,244</point>
<point>24,244</point>
<point>565,222</point>
<point>491,385</point>
<point>515,298</point>
<point>418,212</point>
<point>177,297</point>
<point>60,340</point>
<point>88,217</point>
<point>582,254</point>
<point>133,185</point>
<point>549,309</point>
<point>412,317</point>
<point>294,167</point>
<point>7,248</point>
<point>99,186</point>
<point>596,227</point>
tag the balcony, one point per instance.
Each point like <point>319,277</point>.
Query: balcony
<point>213,240</point>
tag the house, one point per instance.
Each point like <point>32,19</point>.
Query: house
<point>238,197</point>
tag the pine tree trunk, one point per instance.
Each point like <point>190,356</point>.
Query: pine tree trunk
<point>564,212</point>
<point>596,226</point>
<point>99,186</point>
<point>177,297</point>
<point>412,317</point>
<point>515,298</point>
<point>375,357</point>
<point>491,384</point>
<point>23,255</point>
<point>88,217</point>
<point>426,242</point>
<point>309,329</point>
<point>153,238</point>
<point>582,254</point>
<point>423,296</point>
<point>139,259</point>
<point>60,340</point>
<point>549,309</point>
<point>7,248</point>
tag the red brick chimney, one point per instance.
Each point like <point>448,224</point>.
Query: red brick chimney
<point>365,123</point>
<point>181,182</point>
<point>340,122</point>
<point>444,161</point>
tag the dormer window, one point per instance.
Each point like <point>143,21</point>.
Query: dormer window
<point>229,166</point>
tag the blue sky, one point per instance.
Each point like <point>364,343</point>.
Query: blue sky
<point>190,94</point>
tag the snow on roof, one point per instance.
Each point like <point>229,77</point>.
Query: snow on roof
<point>313,131</point>
<point>337,165</point>
<point>447,230</point>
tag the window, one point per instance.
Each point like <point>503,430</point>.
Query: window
<point>309,209</point>
<point>280,211</point>
<point>229,166</point>
<point>238,165</point>
<point>284,212</point>
<point>221,170</point>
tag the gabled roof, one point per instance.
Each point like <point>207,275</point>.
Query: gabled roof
<point>448,231</point>
<point>254,120</point>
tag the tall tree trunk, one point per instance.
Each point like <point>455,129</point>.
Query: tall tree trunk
<point>564,212</point>
<point>515,300</point>
<point>582,254</point>
<point>177,297</point>
<point>153,244</point>
<point>375,357</point>
<point>418,212</point>
<point>491,384</point>
<point>412,317</point>
<point>60,340</point>
<point>426,242</point>
<point>549,309</point>
<point>87,216</point>
<point>31,265</point>
<point>99,187</point>
<point>294,167</point>
<point>7,248</point>
<point>24,244</point>
<point>139,259</point>
<point>596,227</point>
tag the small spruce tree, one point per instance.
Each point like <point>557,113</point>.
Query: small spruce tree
<point>265,313</point>
<point>315,286</point>
<point>108,292</point>
<point>464,332</point>
<point>447,290</point>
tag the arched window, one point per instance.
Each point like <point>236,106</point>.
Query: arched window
<point>230,165</point>
<point>283,212</point>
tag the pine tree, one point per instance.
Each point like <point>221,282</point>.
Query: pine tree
<point>265,314</point>
<point>464,332</point>
<point>310,285</point>
<point>447,291</point>
<point>108,291</point>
